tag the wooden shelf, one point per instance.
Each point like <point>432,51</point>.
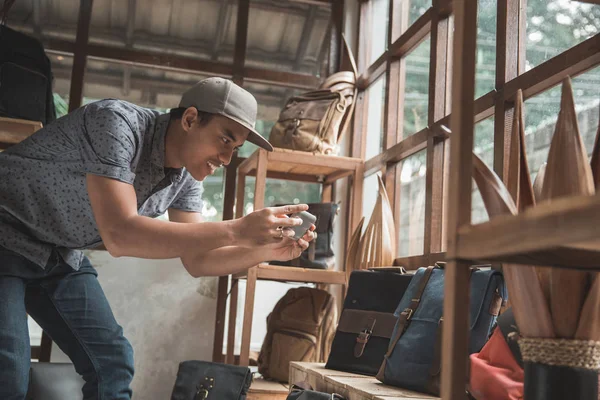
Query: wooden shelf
<point>300,165</point>
<point>351,386</point>
<point>563,233</point>
<point>293,274</point>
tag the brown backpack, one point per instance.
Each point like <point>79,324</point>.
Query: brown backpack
<point>316,121</point>
<point>300,328</point>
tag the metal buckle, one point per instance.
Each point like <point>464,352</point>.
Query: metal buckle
<point>201,394</point>
<point>364,336</point>
<point>410,313</point>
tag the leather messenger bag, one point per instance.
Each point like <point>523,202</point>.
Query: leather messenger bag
<point>367,320</point>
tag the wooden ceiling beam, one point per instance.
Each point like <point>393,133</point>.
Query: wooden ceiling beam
<point>80,53</point>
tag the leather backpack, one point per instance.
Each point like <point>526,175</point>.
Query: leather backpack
<point>315,121</point>
<point>300,328</point>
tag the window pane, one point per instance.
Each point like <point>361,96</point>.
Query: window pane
<point>375,108</point>
<point>557,25</point>
<point>281,192</point>
<point>288,35</point>
<point>53,19</point>
<point>62,65</point>
<point>203,29</point>
<point>541,112</point>
<point>484,148</point>
<point>379,19</point>
<point>485,78</point>
<point>411,231</point>
<point>414,8</point>
<point>416,95</point>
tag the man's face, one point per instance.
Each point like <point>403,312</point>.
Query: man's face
<point>209,146</point>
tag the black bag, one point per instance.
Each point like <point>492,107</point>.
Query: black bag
<point>319,254</point>
<point>367,320</point>
<point>298,393</point>
<point>25,78</point>
<point>204,380</point>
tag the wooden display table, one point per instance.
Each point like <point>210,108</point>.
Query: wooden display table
<point>351,386</point>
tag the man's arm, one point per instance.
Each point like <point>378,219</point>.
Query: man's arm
<point>125,233</point>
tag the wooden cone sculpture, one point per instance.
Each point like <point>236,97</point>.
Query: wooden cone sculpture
<point>568,173</point>
<point>352,261</point>
<point>529,305</point>
<point>378,244</point>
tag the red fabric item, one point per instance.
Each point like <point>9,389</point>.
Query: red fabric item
<point>495,375</point>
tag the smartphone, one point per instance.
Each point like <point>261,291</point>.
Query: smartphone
<point>307,220</point>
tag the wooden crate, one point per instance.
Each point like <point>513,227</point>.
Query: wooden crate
<point>266,390</point>
<point>351,386</point>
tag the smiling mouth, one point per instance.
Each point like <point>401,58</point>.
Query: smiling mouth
<point>213,166</point>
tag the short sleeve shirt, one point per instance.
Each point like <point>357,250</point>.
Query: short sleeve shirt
<point>44,204</point>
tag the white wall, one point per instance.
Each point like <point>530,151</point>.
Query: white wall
<point>167,315</point>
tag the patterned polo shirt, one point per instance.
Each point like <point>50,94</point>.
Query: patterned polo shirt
<point>44,204</point>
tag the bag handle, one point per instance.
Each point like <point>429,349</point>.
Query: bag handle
<point>399,270</point>
<point>404,319</point>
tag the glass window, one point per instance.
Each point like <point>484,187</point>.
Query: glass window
<point>379,21</point>
<point>411,231</point>
<point>375,110</point>
<point>62,66</point>
<point>53,19</point>
<point>557,25</point>
<point>415,9</point>
<point>541,112</point>
<point>485,62</point>
<point>483,146</point>
<point>416,94</point>
<point>288,35</point>
<point>203,29</point>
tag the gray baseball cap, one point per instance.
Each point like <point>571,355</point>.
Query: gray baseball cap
<point>222,96</point>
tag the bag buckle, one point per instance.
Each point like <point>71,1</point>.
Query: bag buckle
<point>201,394</point>
<point>364,336</point>
<point>409,311</point>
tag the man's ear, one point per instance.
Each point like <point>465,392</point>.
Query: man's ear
<point>189,117</point>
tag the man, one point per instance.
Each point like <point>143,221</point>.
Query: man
<point>97,177</point>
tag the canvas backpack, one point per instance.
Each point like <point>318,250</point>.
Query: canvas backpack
<point>300,328</point>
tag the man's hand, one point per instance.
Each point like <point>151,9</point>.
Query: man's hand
<point>267,226</point>
<point>287,248</point>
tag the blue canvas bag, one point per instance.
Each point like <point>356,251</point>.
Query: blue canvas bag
<point>413,359</point>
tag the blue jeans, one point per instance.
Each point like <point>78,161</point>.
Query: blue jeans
<point>72,309</point>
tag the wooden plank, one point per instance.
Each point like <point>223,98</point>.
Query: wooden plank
<point>290,79</point>
<point>220,319</point>
<point>233,302</point>
<point>261,180</point>
<point>241,38</point>
<point>409,146</point>
<point>241,187</point>
<point>572,62</point>
<point>507,68</point>
<point>13,130</point>
<point>435,147</point>
<point>249,163</point>
<point>293,274</point>
<point>80,54</point>
<point>456,293</point>
<point>248,315</point>
<point>317,160</point>
<point>351,386</point>
<point>336,176</point>
<point>335,35</point>
<point>563,222</point>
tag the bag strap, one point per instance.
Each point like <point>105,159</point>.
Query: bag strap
<point>404,319</point>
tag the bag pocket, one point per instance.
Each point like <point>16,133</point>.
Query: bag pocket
<point>288,345</point>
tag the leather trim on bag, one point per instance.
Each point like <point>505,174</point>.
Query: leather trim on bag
<point>355,321</point>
